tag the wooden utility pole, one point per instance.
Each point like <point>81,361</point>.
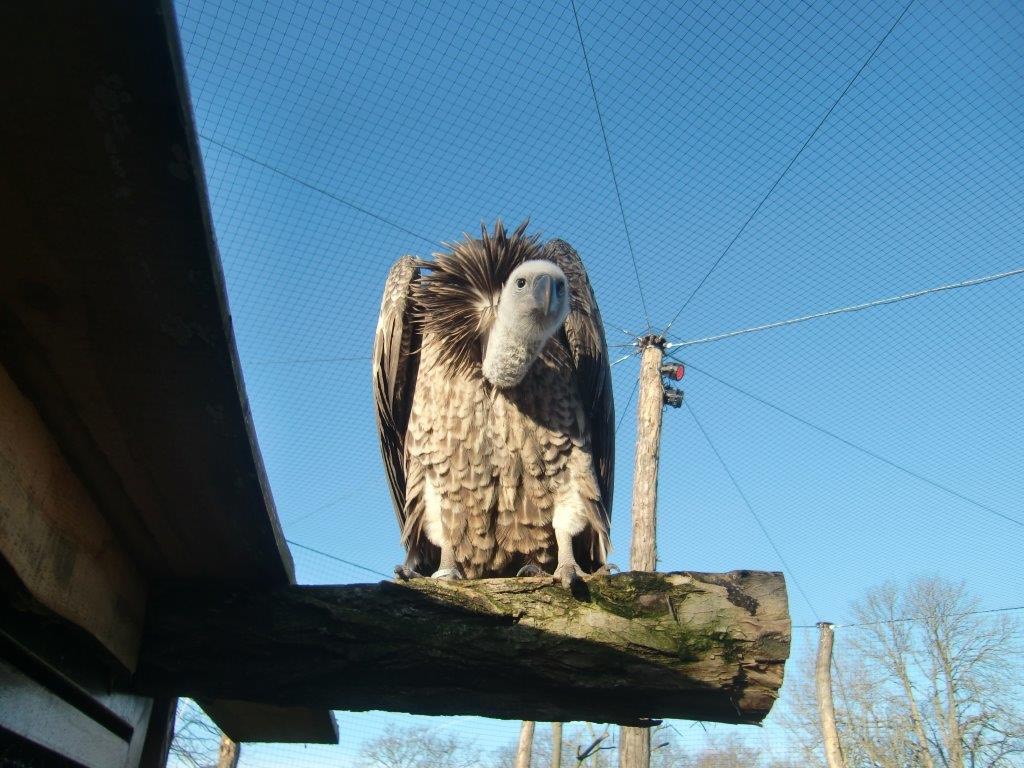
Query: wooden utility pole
<point>556,745</point>
<point>524,751</point>
<point>635,743</point>
<point>643,552</point>
<point>826,708</point>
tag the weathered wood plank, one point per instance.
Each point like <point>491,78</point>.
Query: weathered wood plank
<point>54,539</point>
<point>247,721</point>
<point>639,646</point>
<point>43,718</point>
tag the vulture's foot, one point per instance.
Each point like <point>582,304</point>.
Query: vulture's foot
<point>532,569</point>
<point>404,573</point>
<point>569,574</point>
<point>449,574</point>
<point>606,570</point>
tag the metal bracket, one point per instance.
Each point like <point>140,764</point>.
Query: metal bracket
<point>673,397</point>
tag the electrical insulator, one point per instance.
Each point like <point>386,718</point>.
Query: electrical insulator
<point>673,397</point>
<point>674,371</point>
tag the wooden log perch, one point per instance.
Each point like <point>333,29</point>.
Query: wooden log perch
<point>637,646</point>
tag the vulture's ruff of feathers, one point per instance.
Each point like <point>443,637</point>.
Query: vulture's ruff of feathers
<point>492,471</point>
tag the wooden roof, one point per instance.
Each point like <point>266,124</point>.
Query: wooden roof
<point>115,316</point>
<point>114,320</point>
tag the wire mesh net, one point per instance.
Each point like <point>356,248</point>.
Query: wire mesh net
<point>718,166</point>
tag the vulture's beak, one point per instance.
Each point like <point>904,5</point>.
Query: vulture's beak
<point>542,293</point>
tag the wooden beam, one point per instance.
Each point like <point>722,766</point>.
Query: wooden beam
<point>43,718</point>
<point>245,721</point>
<point>54,540</point>
<point>87,722</point>
<point>638,646</point>
<point>160,734</point>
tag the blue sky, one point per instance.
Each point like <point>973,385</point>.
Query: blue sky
<point>338,136</point>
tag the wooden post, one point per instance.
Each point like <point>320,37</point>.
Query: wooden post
<point>826,709</point>
<point>634,747</point>
<point>635,743</point>
<point>159,733</point>
<point>556,745</point>
<point>229,753</point>
<point>643,551</point>
<point>524,751</point>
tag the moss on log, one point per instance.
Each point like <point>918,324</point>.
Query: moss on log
<point>634,647</point>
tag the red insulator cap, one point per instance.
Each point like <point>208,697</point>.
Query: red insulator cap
<point>674,371</point>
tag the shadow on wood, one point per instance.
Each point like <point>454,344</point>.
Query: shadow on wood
<point>639,646</point>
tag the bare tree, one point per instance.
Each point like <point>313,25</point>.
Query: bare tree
<point>197,741</point>
<point>592,748</point>
<point>505,757</point>
<point>728,752</point>
<point>666,751</point>
<point>719,751</point>
<point>587,746</point>
<point>583,746</point>
<point>924,682</point>
<point>417,748</point>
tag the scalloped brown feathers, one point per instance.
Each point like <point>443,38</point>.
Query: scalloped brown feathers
<point>442,310</point>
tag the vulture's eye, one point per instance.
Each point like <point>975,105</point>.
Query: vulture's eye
<point>521,282</point>
<point>559,288</point>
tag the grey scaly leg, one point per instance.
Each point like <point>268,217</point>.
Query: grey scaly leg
<point>448,569</point>
<point>568,571</point>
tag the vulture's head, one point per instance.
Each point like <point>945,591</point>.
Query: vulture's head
<point>533,305</point>
<point>493,303</point>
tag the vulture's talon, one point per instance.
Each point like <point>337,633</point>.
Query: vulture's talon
<point>606,570</point>
<point>532,569</point>
<point>568,575</point>
<point>405,573</point>
<point>448,574</point>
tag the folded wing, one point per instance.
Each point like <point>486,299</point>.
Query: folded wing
<point>395,366</point>
<point>584,332</point>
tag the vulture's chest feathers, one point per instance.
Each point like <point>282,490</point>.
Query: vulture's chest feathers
<point>495,463</point>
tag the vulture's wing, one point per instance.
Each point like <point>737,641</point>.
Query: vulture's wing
<point>395,364</point>
<point>585,333</point>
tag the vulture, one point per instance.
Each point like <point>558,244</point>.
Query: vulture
<point>494,410</point>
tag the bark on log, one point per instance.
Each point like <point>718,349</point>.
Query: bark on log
<point>637,646</point>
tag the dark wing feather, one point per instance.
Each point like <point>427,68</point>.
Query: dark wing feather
<point>584,332</point>
<point>395,365</point>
